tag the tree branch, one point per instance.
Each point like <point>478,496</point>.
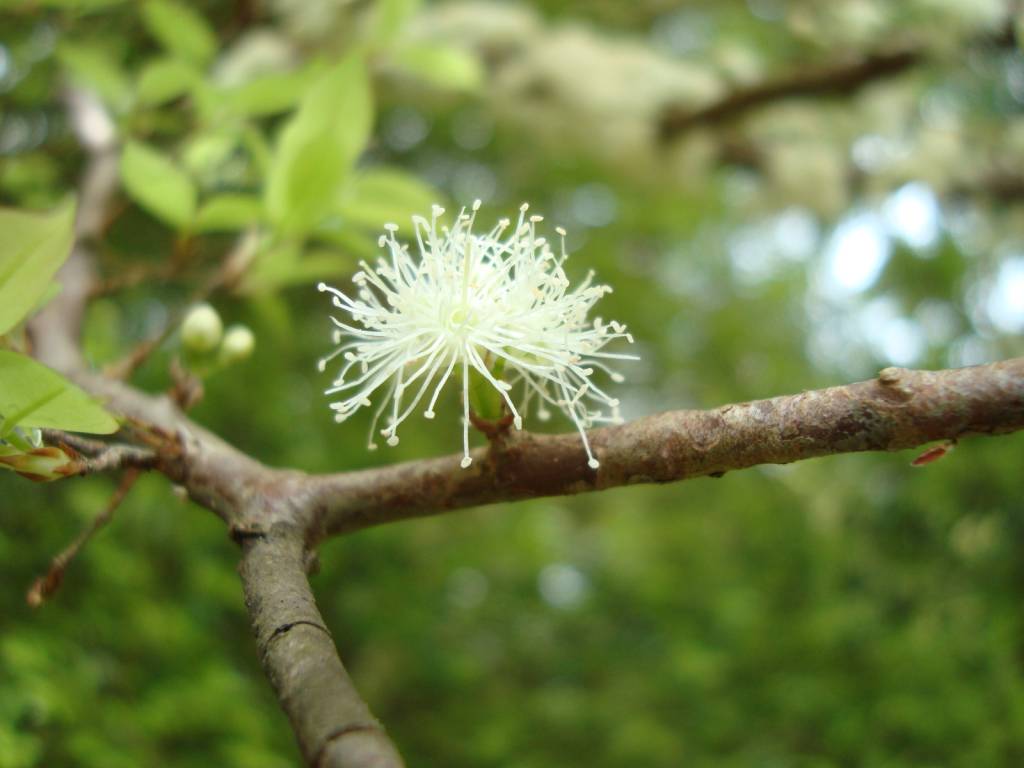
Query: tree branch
<point>277,514</point>
<point>900,409</point>
<point>333,725</point>
<point>837,79</point>
<point>832,80</point>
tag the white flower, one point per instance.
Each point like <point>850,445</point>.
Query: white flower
<point>472,302</point>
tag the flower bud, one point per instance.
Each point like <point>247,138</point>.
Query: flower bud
<point>202,329</point>
<point>40,464</point>
<point>238,344</point>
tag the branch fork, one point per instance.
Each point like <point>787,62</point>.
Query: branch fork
<point>278,516</point>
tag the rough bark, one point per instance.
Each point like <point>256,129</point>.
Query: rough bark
<point>899,409</point>
<point>332,724</point>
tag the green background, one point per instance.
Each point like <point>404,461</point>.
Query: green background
<point>844,611</point>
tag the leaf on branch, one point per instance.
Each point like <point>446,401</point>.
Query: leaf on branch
<point>265,95</point>
<point>318,145</point>
<point>157,184</point>
<point>228,213</point>
<point>32,248</point>
<point>381,195</point>
<point>180,30</point>
<point>443,66</point>
<point>96,67</point>
<point>32,395</point>
<point>165,79</point>
<point>390,17</point>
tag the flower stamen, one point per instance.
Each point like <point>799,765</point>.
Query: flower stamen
<point>498,303</point>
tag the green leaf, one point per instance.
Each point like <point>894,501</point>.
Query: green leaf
<point>180,30</point>
<point>318,145</point>
<point>443,66</point>
<point>258,147</point>
<point>95,67</point>
<point>266,95</point>
<point>206,154</point>
<point>157,184</point>
<point>31,395</point>
<point>357,243</point>
<point>309,269</point>
<point>165,79</point>
<point>383,195</point>
<point>228,212</point>
<point>390,17</point>
<point>32,248</point>
<point>274,262</point>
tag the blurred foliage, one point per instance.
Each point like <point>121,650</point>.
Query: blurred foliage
<point>845,611</point>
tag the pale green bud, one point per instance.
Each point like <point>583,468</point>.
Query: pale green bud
<point>202,329</point>
<point>238,344</point>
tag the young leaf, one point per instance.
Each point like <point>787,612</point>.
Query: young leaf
<point>207,153</point>
<point>180,30</point>
<point>274,262</point>
<point>390,17</point>
<point>380,195</point>
<point>228,212</point>
<point>96,67</point>
<point>307,270</point>
<point>31,395</point>
<point>32,248</point>
<point>355,242</point>
<point>443,66</point>
<point>165,79</point>
<point>265,95</point>
<point>318,145</point>
<point>157,184</point>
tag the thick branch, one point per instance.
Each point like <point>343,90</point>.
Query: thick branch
<point>899,409</point>
<point>832,80</point>
<point>333,725</point>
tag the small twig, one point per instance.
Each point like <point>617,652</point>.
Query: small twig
<point>96,456</point>
<point>163,442</point>
<point>129,278</point>
<point>126,366</point>
<point>832,80</point>
<point>120,457</point>
<point>187,389</point>
<point>85,445</point>
<point>44,587</point>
